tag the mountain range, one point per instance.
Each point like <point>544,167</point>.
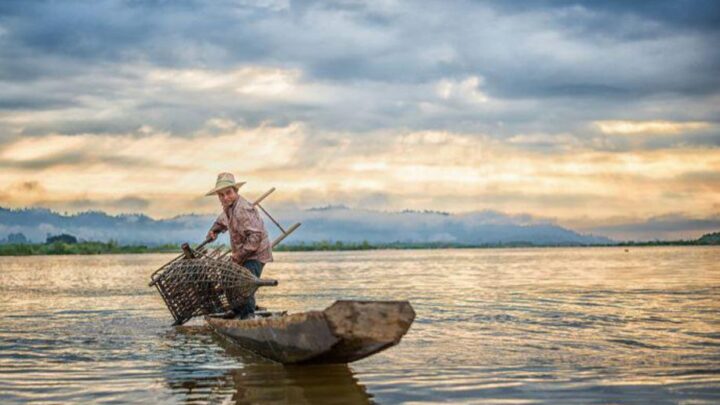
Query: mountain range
<point>331,223</point>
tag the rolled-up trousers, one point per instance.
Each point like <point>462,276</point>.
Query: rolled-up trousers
<point>248,308</point>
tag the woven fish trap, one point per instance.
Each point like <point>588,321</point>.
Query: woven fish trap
<point>203,286</point>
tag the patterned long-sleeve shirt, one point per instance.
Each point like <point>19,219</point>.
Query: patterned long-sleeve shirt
<point>248,236</point>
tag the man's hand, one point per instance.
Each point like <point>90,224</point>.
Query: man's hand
<point>211,236</point>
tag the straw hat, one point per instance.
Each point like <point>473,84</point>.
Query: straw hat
<point>225,180</point>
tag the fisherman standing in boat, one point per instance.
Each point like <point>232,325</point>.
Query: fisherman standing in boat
<point>248,237</point>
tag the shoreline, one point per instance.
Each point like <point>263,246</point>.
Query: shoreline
<point>101,248</point>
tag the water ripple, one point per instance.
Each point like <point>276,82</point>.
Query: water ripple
<point>493,325</point>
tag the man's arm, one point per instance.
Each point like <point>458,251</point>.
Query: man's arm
<point>219,226</point>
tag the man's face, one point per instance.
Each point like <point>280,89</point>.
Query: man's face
<point>227,196</point>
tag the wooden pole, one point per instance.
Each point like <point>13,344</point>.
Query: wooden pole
<point>187,252</point>
<point>285,234</point>
<point>262,197</point>
<point>271,218</point>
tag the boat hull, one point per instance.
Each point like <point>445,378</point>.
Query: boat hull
<point>344,332</point>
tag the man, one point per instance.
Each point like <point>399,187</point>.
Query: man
<point>248,236</point>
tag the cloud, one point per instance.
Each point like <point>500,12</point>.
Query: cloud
<point>353,66</point>
<point>672,226</point>
<point>656,13</point>
<point>650,127</point>
<point>381,170</point>
<point>78,169</point>
<point>126,204</point>
<point>542,141</point>
<point>466,90</point>
<point>250,81</point>
<point>562,109</point>
<point>28,187</point>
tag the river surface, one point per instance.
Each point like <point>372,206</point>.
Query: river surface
<point>557,325</point>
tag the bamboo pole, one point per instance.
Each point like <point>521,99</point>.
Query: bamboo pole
<point>262,197</point>
<point>285,234</point>
<point>271,218</point>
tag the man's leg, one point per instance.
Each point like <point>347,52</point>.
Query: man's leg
<point>255,268</point>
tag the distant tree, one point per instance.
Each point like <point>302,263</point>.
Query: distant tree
<point>16,238</point>
<point>62,238</point>
<point>707,239</point>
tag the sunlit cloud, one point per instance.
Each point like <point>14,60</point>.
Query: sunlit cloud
<point>254,81</point>
<point>448,171</point>
<point>649,127</point>
<point>467,90</point>
<point>152,163</point>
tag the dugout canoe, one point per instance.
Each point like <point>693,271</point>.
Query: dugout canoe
<point>344,332</point>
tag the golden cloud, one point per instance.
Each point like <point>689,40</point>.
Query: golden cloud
<point>650,127</point>
<point>252,80</point>
<point>102,166</point>
<point>419,170</point>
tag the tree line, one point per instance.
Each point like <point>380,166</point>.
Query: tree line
<point>65,244</point>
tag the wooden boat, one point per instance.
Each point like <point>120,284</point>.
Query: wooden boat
<point>344,332</point>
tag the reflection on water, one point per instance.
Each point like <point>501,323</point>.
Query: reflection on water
<point>258,380</point>
<point>500,325</point>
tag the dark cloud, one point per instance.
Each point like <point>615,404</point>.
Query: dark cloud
<point>707,139</point>
<point>86,126</point>
<point>27,187</point>
<point>80,159</point>
<point>699,181</point>
<point>548,66</point>
<point>32,102</point>
<point>687,14</point>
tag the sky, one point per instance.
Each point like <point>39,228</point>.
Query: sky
<point>598,116</point>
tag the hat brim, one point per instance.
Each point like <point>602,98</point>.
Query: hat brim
<point>216,189</point>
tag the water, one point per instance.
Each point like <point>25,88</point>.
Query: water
<point>594,325</point>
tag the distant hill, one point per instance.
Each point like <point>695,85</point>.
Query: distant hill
<point>710,239</point>
<point>332,223</point>
<point>36,224</point>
